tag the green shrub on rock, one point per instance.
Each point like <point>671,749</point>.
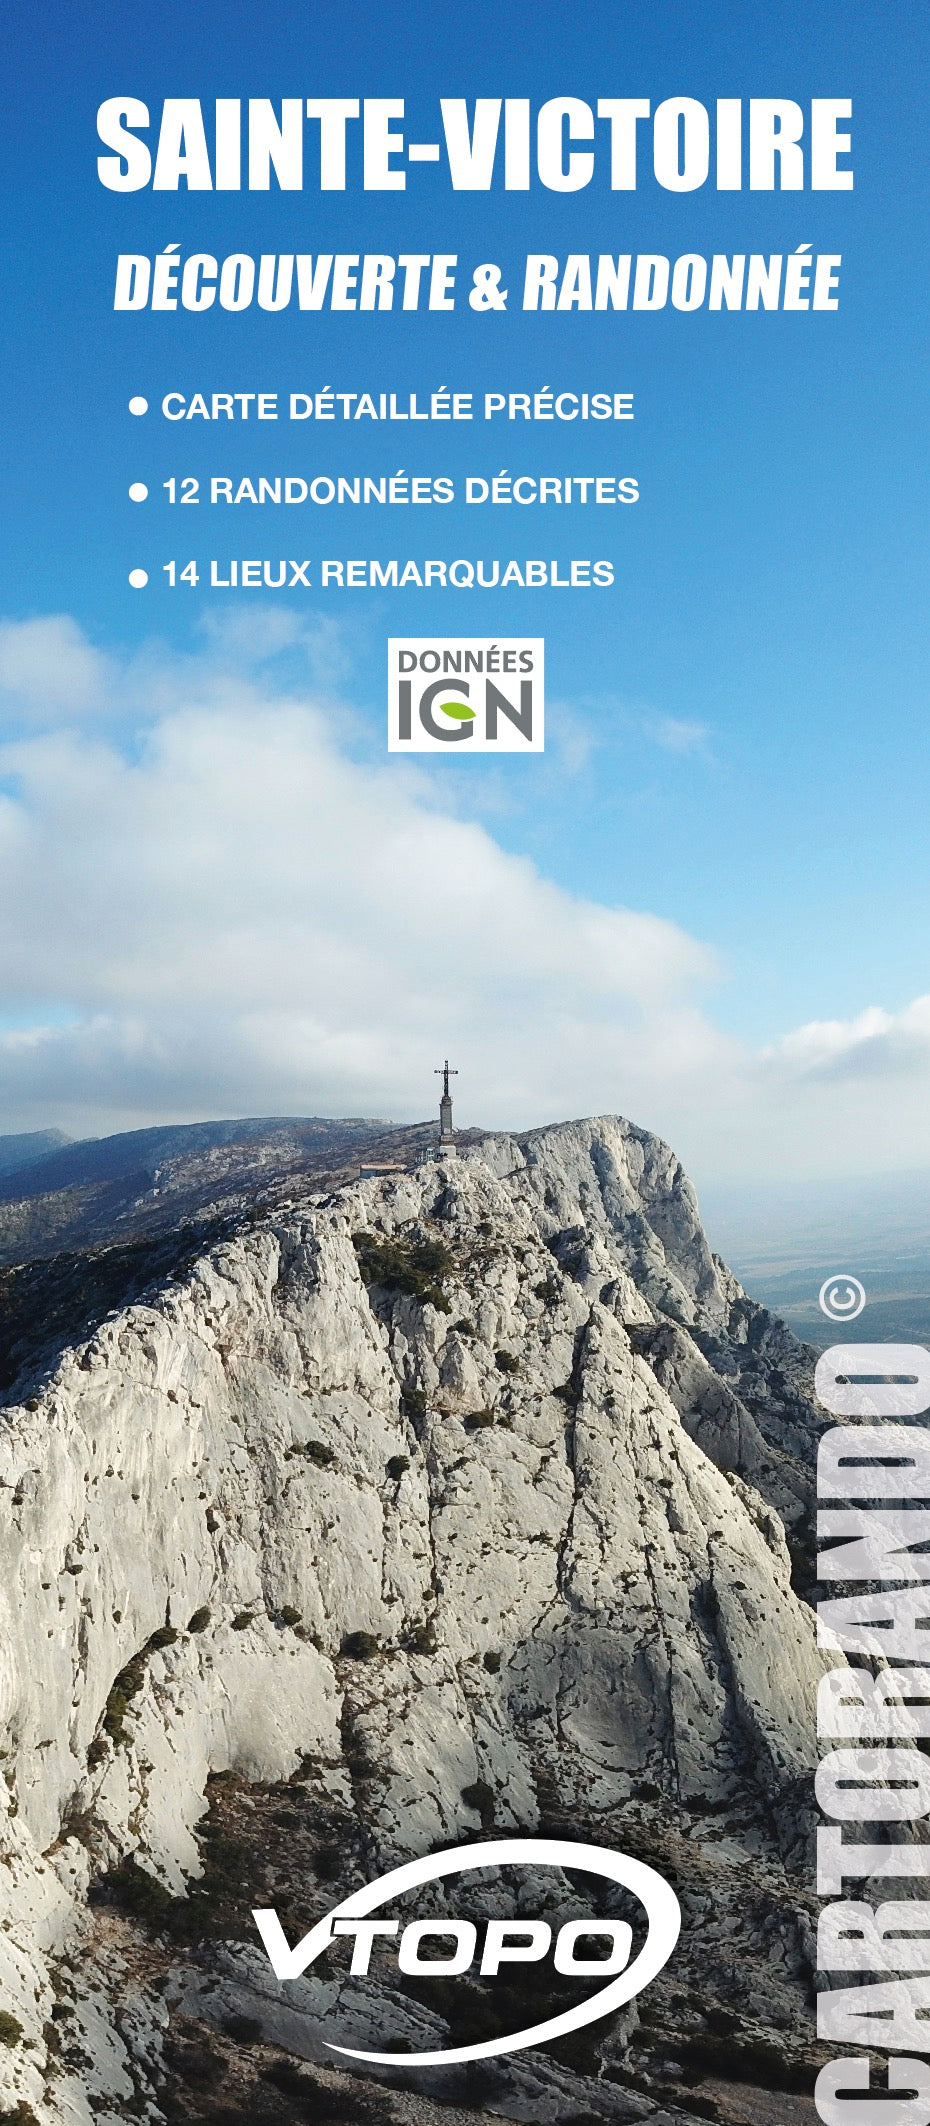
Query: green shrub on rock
<point>414,1267</point>
<point>361,1645</point>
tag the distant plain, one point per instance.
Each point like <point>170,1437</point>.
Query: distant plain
<point>783,1243</point>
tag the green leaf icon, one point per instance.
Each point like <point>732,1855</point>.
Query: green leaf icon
<point>459,710</point>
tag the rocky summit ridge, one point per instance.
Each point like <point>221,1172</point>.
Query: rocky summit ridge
<point>466,1499</point>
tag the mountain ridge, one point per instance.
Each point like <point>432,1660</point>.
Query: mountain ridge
<point>139,1183</point>
<point>449,1500</point>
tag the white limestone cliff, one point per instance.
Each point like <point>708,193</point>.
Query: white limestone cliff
<point>548,1506</point>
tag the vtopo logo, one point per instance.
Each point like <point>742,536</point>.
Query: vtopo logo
<point>505,1941</point>
<point>476,694</point>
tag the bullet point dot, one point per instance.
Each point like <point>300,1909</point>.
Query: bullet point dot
<point>138,491</point>
<point>138,578</point>
<point>138,405</point>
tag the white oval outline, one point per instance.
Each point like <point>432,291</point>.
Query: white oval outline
<point>654,1893</point>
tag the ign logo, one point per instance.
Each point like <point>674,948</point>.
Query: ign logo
<point>468,691</point>
<point>506,1941</point>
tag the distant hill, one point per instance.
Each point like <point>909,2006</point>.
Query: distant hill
<point>57,1162</point>
<point>61,1196</point>
<point>33,1144</point>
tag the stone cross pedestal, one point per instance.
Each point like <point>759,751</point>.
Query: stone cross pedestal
<point>446,1132</point>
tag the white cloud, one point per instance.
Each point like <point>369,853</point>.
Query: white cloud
<point>266,631</point>
<point>235,914</point>
<point>874,1043</point>
<point>231,916</point>
<point>47,664</point>
<point>676,735</point>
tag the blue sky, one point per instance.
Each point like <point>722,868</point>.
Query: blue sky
<point>738,729</point>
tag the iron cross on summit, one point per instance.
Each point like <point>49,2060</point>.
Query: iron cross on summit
<point>445,1074</point>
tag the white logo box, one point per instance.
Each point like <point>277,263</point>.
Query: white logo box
<point>466,694</point>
